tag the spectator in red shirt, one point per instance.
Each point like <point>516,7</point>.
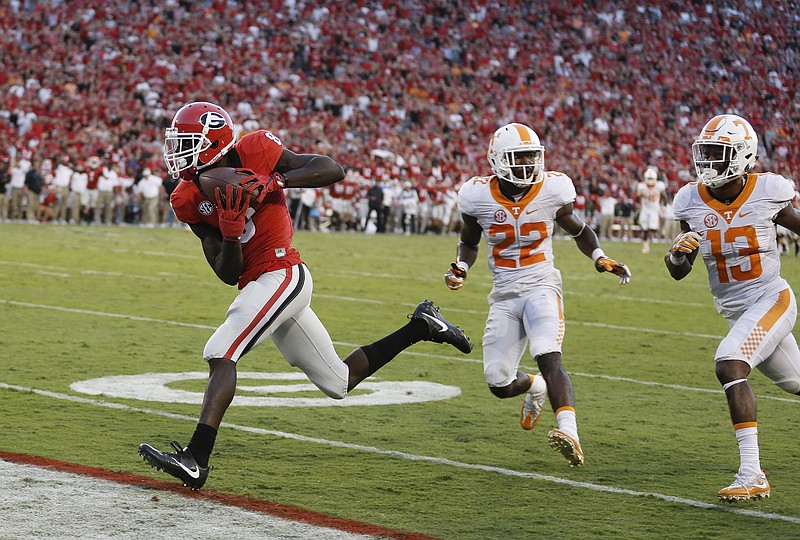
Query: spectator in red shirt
<point>430,81</point>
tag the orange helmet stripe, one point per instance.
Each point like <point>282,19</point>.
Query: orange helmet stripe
<point>713,126</point>
<point>524,135</point>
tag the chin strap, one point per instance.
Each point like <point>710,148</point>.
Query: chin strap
<point>196,182</point>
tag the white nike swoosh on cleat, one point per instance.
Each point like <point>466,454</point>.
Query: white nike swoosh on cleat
<point>194,473</point>
<point>437,321</point>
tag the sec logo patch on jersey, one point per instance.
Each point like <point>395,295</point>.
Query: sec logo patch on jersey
<point>500,216</point>
<point>205,208</point>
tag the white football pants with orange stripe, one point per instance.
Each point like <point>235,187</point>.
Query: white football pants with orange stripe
<point>278,305</point>
<point>536,316</point>
<point>762,337</point>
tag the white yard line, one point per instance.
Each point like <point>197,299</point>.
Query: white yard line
<point>62,271</point>
<point>411,352</point>
<point>417,457</point>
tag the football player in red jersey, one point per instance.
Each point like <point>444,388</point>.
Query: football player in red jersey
<point>251,246</point>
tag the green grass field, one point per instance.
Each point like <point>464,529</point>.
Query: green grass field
<point>78,303</point>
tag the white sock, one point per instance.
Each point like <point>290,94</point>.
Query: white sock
<point>749,458</point>
<point>538,385</point>
<point>565,416</point>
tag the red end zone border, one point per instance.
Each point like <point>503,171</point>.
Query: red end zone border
<point>240,501</point>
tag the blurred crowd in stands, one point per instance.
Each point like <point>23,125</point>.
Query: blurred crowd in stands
<point>404,93</point>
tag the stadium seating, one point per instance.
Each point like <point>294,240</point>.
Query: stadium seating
<point>609,90</point>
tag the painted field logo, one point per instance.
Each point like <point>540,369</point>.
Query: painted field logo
<point>155,387</point>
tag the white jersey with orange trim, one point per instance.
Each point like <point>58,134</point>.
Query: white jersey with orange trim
<point>650,196</point>
<point>518,233</point>
<point>739,240</point>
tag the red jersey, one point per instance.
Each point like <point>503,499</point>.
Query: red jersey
<point>337,190</point>
<point>267,238</point>
<point>94,178</point>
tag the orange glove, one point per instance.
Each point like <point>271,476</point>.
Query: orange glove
<point>686,242</point>
<point>604,264</point>
<point>454,278</point>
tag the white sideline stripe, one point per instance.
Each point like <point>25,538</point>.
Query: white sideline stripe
<point>160,275</point>
<point>52,274</point>
<point>65,273</point>
<point>160,254</point>
<point>650,300</point>
<point>349,299</point>
<point>354,345</point>
<point>579,323</point>
<point>416,457</point>
<point>673,386</point>
<point>173,323</point>
<point>49,270</point>
<point>104,314</point>
<point>646,330</point>
<point>488,285</point>
<point>483,312</point>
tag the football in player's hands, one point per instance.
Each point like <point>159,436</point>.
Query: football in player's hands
<point>221,177</point>
<point>259,186</point>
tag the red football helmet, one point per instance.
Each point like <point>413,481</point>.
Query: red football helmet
<point>200,134</point>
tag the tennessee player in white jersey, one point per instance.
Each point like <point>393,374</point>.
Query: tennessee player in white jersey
<point>729,216</point>
<point>651,197</point>
<point>515,210</point>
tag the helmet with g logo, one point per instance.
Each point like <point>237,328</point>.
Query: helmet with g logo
<point>200,134</point>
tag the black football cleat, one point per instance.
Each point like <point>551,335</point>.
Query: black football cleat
<point>180,464</point>
<point>439,329</point>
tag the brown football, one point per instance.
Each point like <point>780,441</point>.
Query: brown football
<point>220,177</point>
